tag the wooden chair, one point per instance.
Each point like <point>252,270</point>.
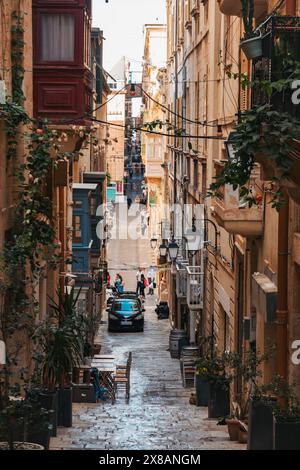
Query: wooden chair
<point>122,377</point>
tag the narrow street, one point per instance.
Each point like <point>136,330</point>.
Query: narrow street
<point>158,415</point>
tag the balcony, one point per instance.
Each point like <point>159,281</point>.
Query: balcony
<point>195,287</point>
<point>234,8</point>
<point>181,279</point>
<point>235,216</point>
<point>195,10</point>
<point>281,38</point>
<point>62,76</point>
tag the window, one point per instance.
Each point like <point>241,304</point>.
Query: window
<point>77,229</point>
<point>203,189</point>
<point>224,337</point>
<point>195,174</point>
<point>58,37</point>
<point>93,206</point>
<point>77,204</point>
<point>154,148</point>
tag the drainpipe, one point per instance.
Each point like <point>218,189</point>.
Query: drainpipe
<point>290,7</point>
<point>176,303</point>
<point>282,299</point>
<point>62,237</point>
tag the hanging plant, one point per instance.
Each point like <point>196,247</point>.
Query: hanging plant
<point>262,135</point>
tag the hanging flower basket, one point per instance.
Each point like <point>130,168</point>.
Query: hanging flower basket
<point>252,47</point>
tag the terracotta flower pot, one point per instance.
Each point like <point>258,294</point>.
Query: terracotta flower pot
<point>21,446</point>
<point>242,436</point>
<point>233,429</point>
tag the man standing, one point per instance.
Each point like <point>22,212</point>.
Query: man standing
<point>139,282</point>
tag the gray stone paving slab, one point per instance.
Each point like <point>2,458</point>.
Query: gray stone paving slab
<point>158,415</point>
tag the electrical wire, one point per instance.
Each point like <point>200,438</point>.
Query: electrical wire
<point>204,123</point>
<point>163,134</point>
<point>110,99</point>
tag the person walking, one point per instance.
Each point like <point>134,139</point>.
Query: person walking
<point>119,285</point>
<point>139,281</point>
<point>144,284</point>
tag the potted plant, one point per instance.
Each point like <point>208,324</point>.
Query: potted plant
<point>24,425</point>
<point>213,371</point>
<point>61,344</point>
<point>286,419</point>
<point>260,421</point>
<point>251,43</point>
<point>201,384</point>
<point>246,368</point>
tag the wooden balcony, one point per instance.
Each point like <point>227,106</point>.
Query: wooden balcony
<point>234,7</point>
<point>62,76</point>
<point>235,216</point>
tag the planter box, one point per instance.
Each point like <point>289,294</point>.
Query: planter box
<point>84,393</point>
<point>202,390</point>
<point>41,437</point>
<point>65,407</point>
<point>49,401</point>
<point>260,425</point>
<point>286,435</point>
<point>218,401</point>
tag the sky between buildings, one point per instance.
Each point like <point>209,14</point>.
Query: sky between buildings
<point>122,22</point>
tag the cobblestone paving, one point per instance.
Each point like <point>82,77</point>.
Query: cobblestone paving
<point>158,415</point>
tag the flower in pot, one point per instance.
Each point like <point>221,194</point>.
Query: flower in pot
<point>251,44</point>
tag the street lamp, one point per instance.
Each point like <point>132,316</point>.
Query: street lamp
<point>153,243</point>
<point>230,145</point>
<point>163,249</point>
<point>173,249</point>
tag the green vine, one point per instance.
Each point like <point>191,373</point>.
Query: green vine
<point>17,58</point>
<point>30,246</point>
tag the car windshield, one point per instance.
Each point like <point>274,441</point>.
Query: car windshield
<point>126,306</point>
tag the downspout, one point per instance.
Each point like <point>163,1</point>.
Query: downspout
<point>176,303</point>
<point>282,299</point>
<point>61,190</point>
<point>283,248</point>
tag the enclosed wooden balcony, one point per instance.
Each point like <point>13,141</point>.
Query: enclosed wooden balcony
<point>234,7</point>
<point>62,74</point>
<point>234,214</point>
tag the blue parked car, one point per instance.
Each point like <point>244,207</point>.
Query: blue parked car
<point>125,315</point>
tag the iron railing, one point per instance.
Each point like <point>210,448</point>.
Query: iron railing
<point>281,46</point>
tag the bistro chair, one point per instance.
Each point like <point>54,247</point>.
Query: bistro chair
<point>122,377</point>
